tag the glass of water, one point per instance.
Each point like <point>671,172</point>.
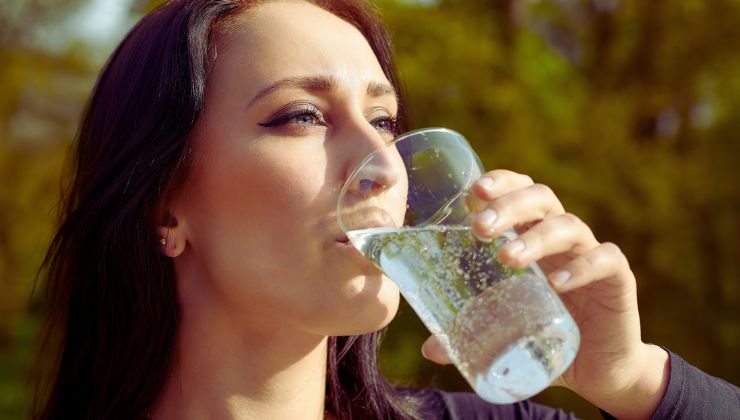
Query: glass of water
<point>405,208</point>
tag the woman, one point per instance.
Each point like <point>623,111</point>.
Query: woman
<point>199,271</point>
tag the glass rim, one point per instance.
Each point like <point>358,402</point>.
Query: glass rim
<point>401,137</point>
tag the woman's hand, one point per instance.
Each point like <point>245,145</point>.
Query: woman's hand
<point>614,369</point>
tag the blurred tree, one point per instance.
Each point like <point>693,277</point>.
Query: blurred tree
<point>45,76</point>
<point>628,110</point>
<point>43,89</point>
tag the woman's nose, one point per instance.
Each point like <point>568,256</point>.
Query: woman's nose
<point>378,172</point>
<point>375,165</point>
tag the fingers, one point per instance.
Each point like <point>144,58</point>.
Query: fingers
<point>498,182</point>
<point>555,235</point>
<point>605,261</point>
<point>433,350</point>
<point>495,184</point>
<point>519,207</point>
<point>563,244</point>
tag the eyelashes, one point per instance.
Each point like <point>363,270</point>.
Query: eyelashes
<point>312,116</point>
<point>306,116</point>
<point>390,124</point>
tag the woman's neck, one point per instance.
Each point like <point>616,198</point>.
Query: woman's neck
<point>221,371</point>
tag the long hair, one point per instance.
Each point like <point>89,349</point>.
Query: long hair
<point>108,339</point>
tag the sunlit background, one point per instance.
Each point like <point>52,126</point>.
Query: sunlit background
<point>628,109</point>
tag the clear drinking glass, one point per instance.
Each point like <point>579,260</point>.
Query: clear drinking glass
<point>405,209</point>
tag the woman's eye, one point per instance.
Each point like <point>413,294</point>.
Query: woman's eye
<point>386,124</point>
<point>305,119</point>
<point>301,117</point>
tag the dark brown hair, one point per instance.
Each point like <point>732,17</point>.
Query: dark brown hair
<point>108,340</point>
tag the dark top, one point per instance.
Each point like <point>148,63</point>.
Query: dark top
<point>691,394</point>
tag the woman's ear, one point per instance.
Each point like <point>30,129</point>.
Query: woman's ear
<point>170,237</point>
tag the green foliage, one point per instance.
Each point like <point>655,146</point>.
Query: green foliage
<point>44,86</point>
<point>629,112</point>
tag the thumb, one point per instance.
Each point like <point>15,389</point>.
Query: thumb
<point>433,350</point>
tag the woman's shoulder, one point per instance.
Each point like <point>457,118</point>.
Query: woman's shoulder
<point>443,405</point>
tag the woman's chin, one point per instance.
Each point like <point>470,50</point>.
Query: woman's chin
<point>373,306</point>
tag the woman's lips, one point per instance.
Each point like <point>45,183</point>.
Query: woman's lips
<point>368,225</point>
<point>365,218</point>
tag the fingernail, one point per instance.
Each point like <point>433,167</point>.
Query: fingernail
<point>426,347</point>
<point>514,247</point>
<point>486,183</point>
<point>484,239</point>
<point>561,277</point>
<point>487,217</point>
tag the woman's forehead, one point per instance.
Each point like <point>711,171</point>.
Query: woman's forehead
<point>283,40</point>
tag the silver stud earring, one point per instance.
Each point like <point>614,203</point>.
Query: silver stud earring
<point>163,241</point>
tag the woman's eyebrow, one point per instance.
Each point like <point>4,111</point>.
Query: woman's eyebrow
<point>377,89</point>
<point>320,84</point>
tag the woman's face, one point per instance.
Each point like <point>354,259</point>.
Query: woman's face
<point>296,98</point>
